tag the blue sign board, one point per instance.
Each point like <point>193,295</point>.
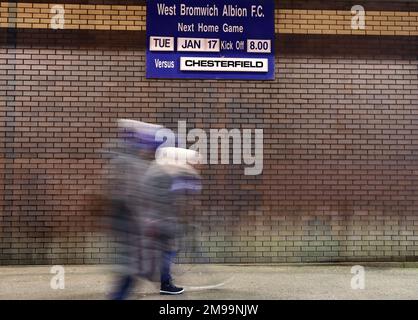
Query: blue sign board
<point>210,39</point>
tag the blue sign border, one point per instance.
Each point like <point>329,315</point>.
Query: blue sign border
<point>166,26</point>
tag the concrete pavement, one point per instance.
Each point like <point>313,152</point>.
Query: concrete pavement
<point>219,282</point>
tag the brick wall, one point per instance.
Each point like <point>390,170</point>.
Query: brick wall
<point>133,18</point>
<point>340,146</point>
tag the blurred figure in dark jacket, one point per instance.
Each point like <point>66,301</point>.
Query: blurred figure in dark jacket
<point>144,193</point>
<point>134,153</point>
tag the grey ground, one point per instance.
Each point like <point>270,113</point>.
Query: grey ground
<point>219,282</point>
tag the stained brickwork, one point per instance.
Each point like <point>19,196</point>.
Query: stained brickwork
<point>340,177</point>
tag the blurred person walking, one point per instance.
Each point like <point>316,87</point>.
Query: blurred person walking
<point>135,151</point>
<point>167,183</point>
<point>145,194</point>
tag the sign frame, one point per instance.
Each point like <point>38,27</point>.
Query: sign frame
<point>245,36</point>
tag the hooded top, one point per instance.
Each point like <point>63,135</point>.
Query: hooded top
<point>164,184</point>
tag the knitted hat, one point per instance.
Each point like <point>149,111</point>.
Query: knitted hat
<point>139,133</point>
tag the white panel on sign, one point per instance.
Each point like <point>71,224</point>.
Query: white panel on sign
<point>258,46</point>
<point>223,64</point>
<point>161,43</point>
<point>198,45</point>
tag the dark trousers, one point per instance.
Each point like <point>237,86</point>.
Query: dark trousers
<point>125,283</point>
<point>168,257</point>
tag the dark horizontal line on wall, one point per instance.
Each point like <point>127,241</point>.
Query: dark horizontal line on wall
<point>285,43</point>
<point>326,45</point>
<point>84,2</point>
<point>375,5</point>
<point>74,38</point>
